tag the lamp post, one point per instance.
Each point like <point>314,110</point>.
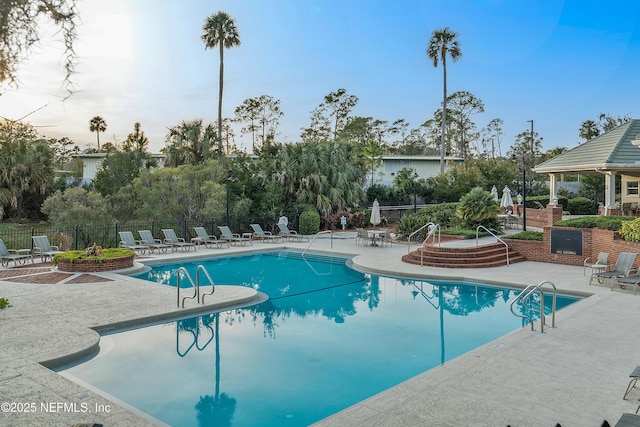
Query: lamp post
<point>415,193</point>
<point>514,158</point>
<point>230,179</point>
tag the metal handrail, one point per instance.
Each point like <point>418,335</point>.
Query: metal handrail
<point>417,231</point>
<point>213,286</point>
<point>524,296</point>
<point>195,288</point>
<point>499,239</point>
<point>314,238</point>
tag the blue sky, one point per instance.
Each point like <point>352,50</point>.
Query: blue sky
<point>556,62</point>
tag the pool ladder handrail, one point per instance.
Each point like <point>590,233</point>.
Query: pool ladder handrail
<point>314,239</point>
<point>432,229</point>
<point>195,285</point>
<point>494,235</point>
<point>524,296</point>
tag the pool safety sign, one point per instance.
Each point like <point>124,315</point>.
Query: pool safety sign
<point>566,242</point>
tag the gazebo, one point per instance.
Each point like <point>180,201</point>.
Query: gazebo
<point>614,152</point>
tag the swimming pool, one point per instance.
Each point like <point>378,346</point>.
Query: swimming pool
<point>328,338</point>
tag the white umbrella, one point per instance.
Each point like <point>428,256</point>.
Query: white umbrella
<point>507,202</point>
<point>375,213</point>
<point>494,193</point>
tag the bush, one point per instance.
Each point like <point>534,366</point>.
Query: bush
<point>630,230</point>
<point>478,207</point>
<point>309,222</point>
<point>613,223</point>
<point>526,235</point>
<point>87,254</point>
<point>581,206</point>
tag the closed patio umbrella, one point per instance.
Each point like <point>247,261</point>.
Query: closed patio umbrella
<point>494,193</point>
<point>375,213</point>
<point>507,202</point>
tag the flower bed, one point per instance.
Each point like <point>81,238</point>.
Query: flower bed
<point>95,265</point>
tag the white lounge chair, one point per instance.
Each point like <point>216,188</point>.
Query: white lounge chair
<point>18,256</point>
<point>290,235</point>
<point>176,242</point>
<point>230,237</point>
<point>43,248</point>
<point>264,235</point>
<point>146,238</point>
<point>127,241</point>
<point>622,268</point>
<point>209,239</point>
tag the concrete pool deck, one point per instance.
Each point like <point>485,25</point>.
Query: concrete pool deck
<point>574,374</point>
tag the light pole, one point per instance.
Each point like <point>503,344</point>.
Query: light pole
<point>415,193</point>
<point>514,159</point>
<point>230,179</point>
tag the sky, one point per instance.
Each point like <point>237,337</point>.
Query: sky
<point>555,62</point>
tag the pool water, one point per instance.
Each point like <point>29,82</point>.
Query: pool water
<point>328,338</point>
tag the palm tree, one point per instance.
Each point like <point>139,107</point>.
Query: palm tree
<point>97,125</point>
<point>589,130</point>
<point>220,30</point>
<point>443,41</point>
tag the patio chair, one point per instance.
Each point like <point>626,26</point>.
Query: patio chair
<point>623,266</point>
<point>18,256</point>
<point>209,239</point>
<point>290,235</point>
<point>628,420</point>
<point>43,248</point>
<point>264,235</point>
<point>362,235</point>
<point>386,237</point>
<point>127,241</point>
<point>147,238</point>
<point>230,237</point>
<point>627,280</point>
<point>176,242</point>
<point>601,264</point>
<point>632,383</point>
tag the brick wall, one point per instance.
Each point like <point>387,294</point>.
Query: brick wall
<point>92,266</point>
<point>594,241</point>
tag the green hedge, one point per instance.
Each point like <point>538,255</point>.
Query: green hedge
<point>613,223</point>
<point>581,206</point>
<point>526,235</point>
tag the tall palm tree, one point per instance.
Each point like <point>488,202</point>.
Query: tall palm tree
<point>220,30</point>
<point>97,125</point>
<point>443,41</point>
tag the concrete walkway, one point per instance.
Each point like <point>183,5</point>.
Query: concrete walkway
<point>574,374</point>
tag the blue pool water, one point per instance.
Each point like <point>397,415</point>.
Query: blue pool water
<point>328,338</point>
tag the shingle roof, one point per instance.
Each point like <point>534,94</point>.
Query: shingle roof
<point>611,151</point>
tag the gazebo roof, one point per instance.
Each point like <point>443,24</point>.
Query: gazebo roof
<point>611,151</point>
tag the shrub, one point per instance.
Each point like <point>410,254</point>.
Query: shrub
<point>581,206</point>
<point>4,303</point>
<point>613,223</point>
<point>630,230</point>
<point>309,222</point>
<point>478,207</point>
<point>87,254</point>
<point>526,235</point>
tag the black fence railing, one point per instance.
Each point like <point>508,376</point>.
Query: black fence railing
<point>82,236</point>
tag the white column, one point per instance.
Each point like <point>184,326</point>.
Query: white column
<point>609,191</point>
<point>553,187</point>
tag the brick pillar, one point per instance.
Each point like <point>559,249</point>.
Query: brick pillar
<point>554,214</point>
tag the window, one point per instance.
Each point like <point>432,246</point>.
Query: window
<point>632,188</point>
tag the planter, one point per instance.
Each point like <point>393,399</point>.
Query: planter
<point>94,266</point>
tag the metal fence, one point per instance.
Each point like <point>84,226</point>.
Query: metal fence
<point>82,236</point>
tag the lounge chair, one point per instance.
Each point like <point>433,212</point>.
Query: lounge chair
<point>627,280</point>
<point>264,235</point>
<point>209,239</point>
<point>43,248</point>
<point>147,238</point>
<point>635,375</point>
<point>628,420</point>
<point>127,241</point>
<point>624,265</point>
<point>601,264</point>
<point>290,235</point>
<point>232,238</point>
<point>176,242</point>
<point>18,256</point>
<point>362,235</point>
